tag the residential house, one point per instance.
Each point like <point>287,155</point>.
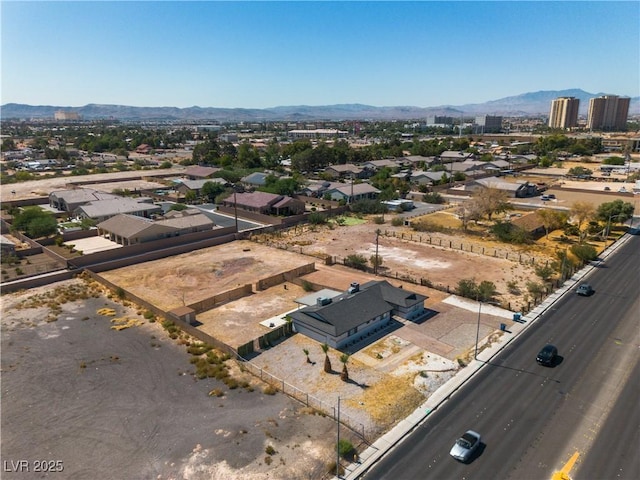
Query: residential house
<point>265,203</point>
<point>101,210</point>
<point>347,170</point>
<point>350,193</point>
<point>128,229</point>
<point>343,320</point>
<point>450,156</point>
<point>70,200</point>
<point>143,149</point>
<point>531,223</point>
<point>255,179</point>
<point>197,172</point>
<point>420,177</point>
<point>376,165</point>
<point>513,189</point>
<point>195,186</point>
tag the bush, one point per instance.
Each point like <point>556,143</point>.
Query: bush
<point>397,221</point>
<point>317,219</point>
<point>307,286</point>
<point>345,448</point>
<point>510,233</point>
<point>269,390</point>
<point>270,450</point>
<point>467,288</point>
<point>356,261</point>
<point>433,197</point>
<point>378,220</point>
<point>584,252</point>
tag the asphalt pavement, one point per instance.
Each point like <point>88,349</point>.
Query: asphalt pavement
<point>382,445</point>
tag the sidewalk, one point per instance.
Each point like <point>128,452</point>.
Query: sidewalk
<point>389,440</point>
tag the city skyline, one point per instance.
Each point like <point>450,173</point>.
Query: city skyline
<point>268,54</point>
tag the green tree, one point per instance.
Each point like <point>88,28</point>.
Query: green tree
<point>551,219</point>
<point>35,222</point>
<point>211,190</point>
<point>582,212</point>
<point>580,172</point>
<point>356,261</point>
<point>490,200</point>
<point>616,211</point>
<point>8,144</point>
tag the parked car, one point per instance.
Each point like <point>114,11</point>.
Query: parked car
<point>547,356</point>
<point>585,290</point>
<point>465,446</point>
<point>544,198</point>
<point>551,196</point>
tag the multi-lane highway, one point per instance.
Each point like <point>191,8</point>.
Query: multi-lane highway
<point>533,419</point>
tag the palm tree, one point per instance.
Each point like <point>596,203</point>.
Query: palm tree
<point>327,362</point>
<point>344,375</point>
<point>306,352</point>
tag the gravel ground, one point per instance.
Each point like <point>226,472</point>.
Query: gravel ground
<point>124,404</point>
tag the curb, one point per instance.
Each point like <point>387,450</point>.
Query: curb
<point>394,436</point>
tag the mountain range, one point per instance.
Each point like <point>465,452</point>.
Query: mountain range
<point>524,105</point>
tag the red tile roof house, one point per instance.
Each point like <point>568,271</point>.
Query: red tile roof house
<point>196,172</point>
<point>143,149</point>
<point>266,203</point>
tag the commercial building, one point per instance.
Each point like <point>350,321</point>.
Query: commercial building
<point>488,124</point>
<point>608,112</point>
<point>564,112</point>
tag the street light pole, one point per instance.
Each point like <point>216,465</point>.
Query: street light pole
<point>475,353</point>
<point>375,265</point>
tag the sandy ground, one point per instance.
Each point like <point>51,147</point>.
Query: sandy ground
<point>124,404</point>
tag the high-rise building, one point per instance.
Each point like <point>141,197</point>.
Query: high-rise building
<point>564,112</point>
<point>488,124</point>
<point>608,112</point>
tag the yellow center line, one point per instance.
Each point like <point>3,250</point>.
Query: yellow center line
<point>564,473</point>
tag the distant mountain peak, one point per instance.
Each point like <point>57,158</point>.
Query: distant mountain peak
<point>526,104</point>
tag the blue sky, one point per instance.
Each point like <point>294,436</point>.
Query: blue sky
<point>266,54</point>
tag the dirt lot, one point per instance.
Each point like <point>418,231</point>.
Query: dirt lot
<point>183,279</point>
<point>125,404</point>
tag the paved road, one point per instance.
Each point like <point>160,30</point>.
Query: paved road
<point>534,418</point>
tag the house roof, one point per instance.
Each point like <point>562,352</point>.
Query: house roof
<point>349,310</point>
<point>199,171</point>
<point>344,313</point>
<point>495,182</point>
<point>529,222</point>
<point>81,195</point>
<point>198,184</point>
<point>255,178</point>
<point>113,206</point>
<point>255,199</point>
<point>356,188</point>
<point>345,168</point>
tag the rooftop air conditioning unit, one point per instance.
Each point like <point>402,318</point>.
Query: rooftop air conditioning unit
<point>322,301</point>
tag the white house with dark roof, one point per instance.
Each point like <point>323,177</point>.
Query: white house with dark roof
<point>346,319</point>
<point>353,192</point>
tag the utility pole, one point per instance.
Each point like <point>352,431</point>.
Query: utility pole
<point>375,265</point>
<point>338,444</point>
<point>475,353</point>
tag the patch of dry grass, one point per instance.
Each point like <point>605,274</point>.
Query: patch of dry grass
<point>389,400</point>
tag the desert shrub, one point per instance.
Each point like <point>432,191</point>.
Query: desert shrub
<point>316,218</point>
<point>378,220</point>
<point>270,450</point>
<point>149,315</point>
<point>199,348</point>
<point>368,206</point>
<point>216,392</point>
<point>356,261</point>
<point>584,252</point>
<point>307,286</point>
<point>426,226</point>
<point>269,390</point>
<point>467,287</point>
<point>571,230</point>
<point>345,448</point>
<point>433,197</point>
<point>397,221</point>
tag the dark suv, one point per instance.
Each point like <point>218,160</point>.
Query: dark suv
<point>547,356</point>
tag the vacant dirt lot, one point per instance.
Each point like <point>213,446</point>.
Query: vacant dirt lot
<point>183,279</point>
<point>126,404</point>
